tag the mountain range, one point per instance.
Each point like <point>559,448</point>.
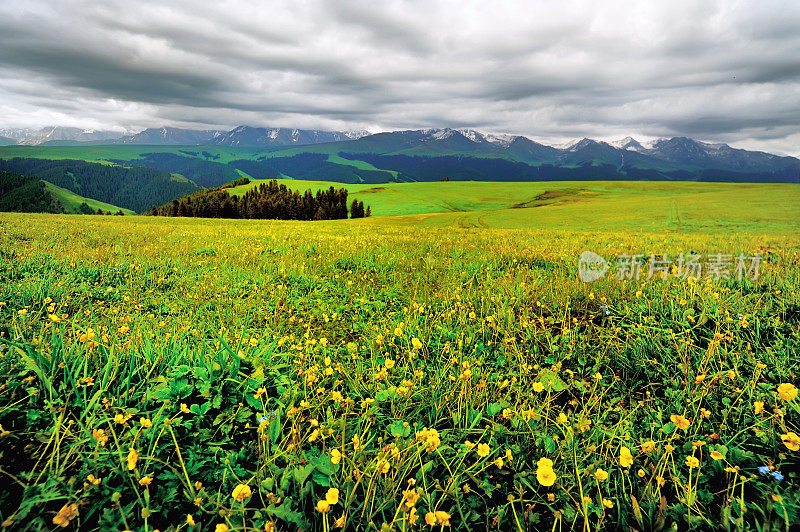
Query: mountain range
<point>422,155</point>
<point>243,136</point>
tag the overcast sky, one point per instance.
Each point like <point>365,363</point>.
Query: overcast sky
<point>714,70</point>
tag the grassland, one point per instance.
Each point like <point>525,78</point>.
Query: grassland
<point>397,371</point>
<point>579,205</point>
<point>104,153</point>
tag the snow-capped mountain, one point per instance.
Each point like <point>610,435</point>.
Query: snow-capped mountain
<point>60,133</point>
<point>172,135</point>
<point>15,133</point>
<point>259,136</point>
<point>629,143</point>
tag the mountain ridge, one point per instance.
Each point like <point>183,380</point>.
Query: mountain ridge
<point>448,152</point>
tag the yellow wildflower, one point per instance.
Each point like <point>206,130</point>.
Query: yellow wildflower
<point>100,436</point>
<point>692,461</point>
<point>679,421</point>
<point>787,391</point>
<point>648,446</point>
<point>601,475</point>
<point>484,450</point>
<point>133,457</point>
<point>332,496</point>
<point>241,492</point>
<point>625,457</point>
<point>546,476</point>
<point>67,513</point>
<point>442,518</point>
<point>544,472</point>
<point>791,441</point>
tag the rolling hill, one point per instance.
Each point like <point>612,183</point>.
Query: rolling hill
<point>73,203</point>
<point>21,193</point>
<point>425,155</point>
<point>135,188</point>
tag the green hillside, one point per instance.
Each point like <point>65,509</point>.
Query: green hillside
<point>101,153</point>
<point>72,201</point>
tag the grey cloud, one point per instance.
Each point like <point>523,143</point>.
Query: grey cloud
<point>709,69</point>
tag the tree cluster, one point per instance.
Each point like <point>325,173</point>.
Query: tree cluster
<point>357,209</point>
<point>19,193</point>
<point>134,188</point>
<point>267,201</point>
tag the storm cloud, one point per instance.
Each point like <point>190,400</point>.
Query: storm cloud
<point>713,70</point>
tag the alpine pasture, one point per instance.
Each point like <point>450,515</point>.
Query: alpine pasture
<point>442,366</point>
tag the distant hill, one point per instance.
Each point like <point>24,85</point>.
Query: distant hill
<point>72,134</point>
<point>77,204</point>
<point>167,171</point>
<point>171,135</point>
<point>19,193</point>
<point>258,136</point>
<point>135,188</point>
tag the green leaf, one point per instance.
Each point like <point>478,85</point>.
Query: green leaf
<point>549,444</point>
<point>285,513</point>
<point>180,371</point>
<point>302,473</point>
<point>323,464</point>
<point>321,479</point>
<point>426,467</point>
<point>493,409</point>
<point>399,429</point>
<point>275,427</point>
<point>552,381</point>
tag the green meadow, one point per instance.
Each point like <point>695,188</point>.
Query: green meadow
<point>579,205</point>
<point>437,366</point>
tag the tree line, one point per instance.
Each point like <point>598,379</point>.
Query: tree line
<point>134,187</point>
<point>19,193</point>
<point>266,201</point>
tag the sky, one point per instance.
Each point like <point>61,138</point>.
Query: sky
<point>719,71</point>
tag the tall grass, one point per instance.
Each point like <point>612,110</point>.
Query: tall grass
<point>170,374</point>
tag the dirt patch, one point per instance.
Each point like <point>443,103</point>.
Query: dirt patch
<point>543,199</point>
<point>552,194</point>
<point>371,190</point>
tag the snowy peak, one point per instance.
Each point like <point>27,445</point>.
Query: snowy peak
<point>630,144</point>
<point>60,133</point>
<point>356,134</point>
<point>471,135</point>
<point>258,136</point>
<point>581,144</point>
<point>170,135</point>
